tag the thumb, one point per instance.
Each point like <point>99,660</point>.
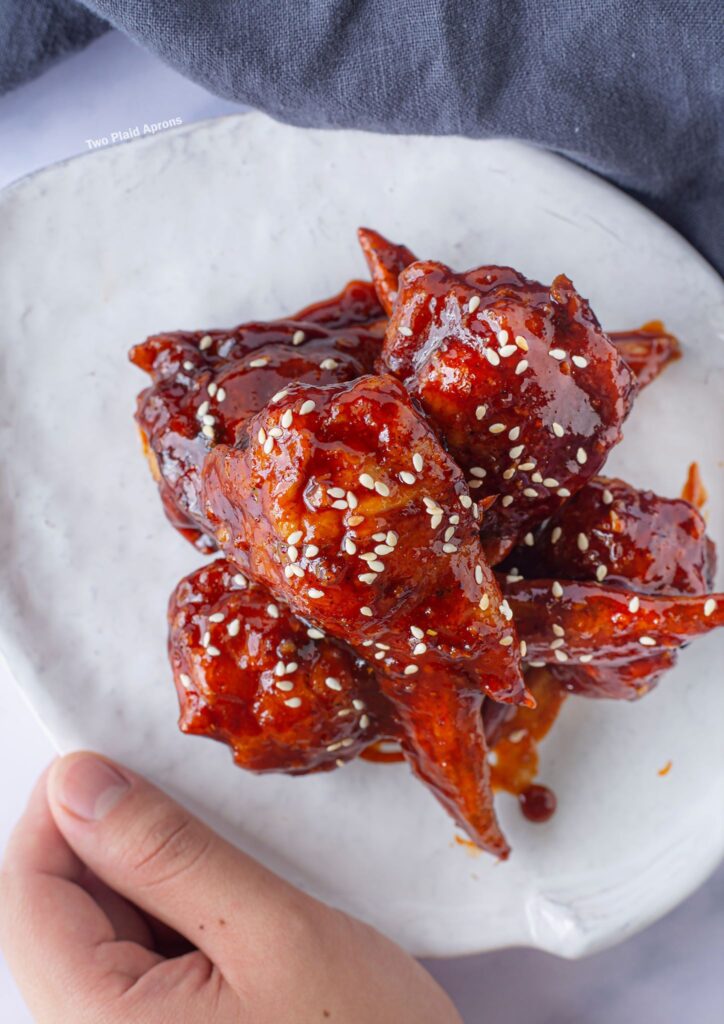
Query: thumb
<point>151,850</point>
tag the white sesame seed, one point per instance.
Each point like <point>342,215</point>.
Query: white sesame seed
<point>368,556</point>
<point>582,542</point>
<point>292,553</point>
<point>410,670</point>
<point>557,589</point>
<point>525,466</point>
<point>473,304</point>
<point>537,477</point>
<point>293,702</point>
<point>216,617</point>
<point>601,573</point>
<point>417,632</point>
<point>202,410</point>
<point>480,411</point>
<point>315,634</point>
<point>279,395</point>
<point>563,492</point>
<point>333,684</point>
<point>367,481</point>
<point>212,388</point>
<point>514,433</point>
<point>530,492</point>
<point>207,430</point>
<point>406,332</point>
<point>286,420</point>
<point>561,656</point>
<point>377,566</point>
<point>296,570</point>
<point>239,581</point>
<point>259,362</point>
<point>557,429</point>
<point>479,575</point>
<point>503,336</point>
<point>205,342</point>
<point>315,594</point>
<point>291,667</point>
<point>349,546</point>
<point>550,481</point>
<point>366,611</point>
<point>449,533</point>
<point>285,685</point>
<point>496,428</point>
<point>295,537</point>
<point>478,471</point>
<point>506,500</point>
<point>581,457</point>
<point>340,503</point>
<point>185,680</point>
<point>580,362</point>
<point>585,658</point>
<point>355,520</point>
<point>607,497</point>
<point>465,500</point>
<point>505,609</point>
<point>419,649</point>
<point>417,462</point>
<point>555,644</point>
<point>407,478</point>
<point>435,520</point>
<point>508,350</point>
<point>298,337</point>
<point>220,395</point>
<point>537,664</point>
<point>188,365</point>
<point>276,432</point>
<point>449,549</point>
<point>709,607</point>
<point>557,353</point>
<point>391,538</point>
<point>473,485</point>
<point>492,356</point>
<point>272,611</point>
<point>516,452</point>
<point>521,367</point>
<point>206,639</point>
<point>383,549</point>
<point>335,492</point>
<point>335,746</point>
<point>307,407</point>
<point>358,705</point>
<point>529,540</point>
<point>523,647</point>
<point>506,641</point>
<point>634,604</point>
<point>364,721</point>
<point>329,364</point>
<point>261,436</point>
<point>367,577</point>
<point>233,627</point>
<point>647,641</point>
<point>268,445</point>
<point>213,652</point>
<point>484,603</point>
<point>558,630</point>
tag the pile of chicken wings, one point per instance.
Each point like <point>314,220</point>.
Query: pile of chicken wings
<point>403,486</point>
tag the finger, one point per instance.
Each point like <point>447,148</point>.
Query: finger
<point>128,924</point>
<point>51,929</point>
<point>152,851</point>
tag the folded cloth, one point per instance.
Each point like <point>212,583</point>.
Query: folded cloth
<point>632,91</point>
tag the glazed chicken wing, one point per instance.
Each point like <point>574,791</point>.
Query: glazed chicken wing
<point>250,673</point>
<point>206,385</point>
<point>647,351</point>
<point>519,379</point>
<point>342,501</point>
<point>650,565</point>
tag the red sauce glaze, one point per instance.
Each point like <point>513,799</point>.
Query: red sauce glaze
<point>378,755</point>
<point>517,377</point>
<point>515,747</point>
<point>228,375</point>
<point>538,803</point>
<point>648,350</point>
<point>694,490</point>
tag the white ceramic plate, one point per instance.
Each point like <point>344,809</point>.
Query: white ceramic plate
<point>243,218</point>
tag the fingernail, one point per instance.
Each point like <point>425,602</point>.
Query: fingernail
<point>90,788</point>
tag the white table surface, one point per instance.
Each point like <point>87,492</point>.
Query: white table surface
<point>670,973</point>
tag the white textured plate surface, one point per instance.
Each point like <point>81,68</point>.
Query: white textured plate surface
<point>244,218</point>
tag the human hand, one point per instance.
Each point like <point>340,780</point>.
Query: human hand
<point>118,907</point>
